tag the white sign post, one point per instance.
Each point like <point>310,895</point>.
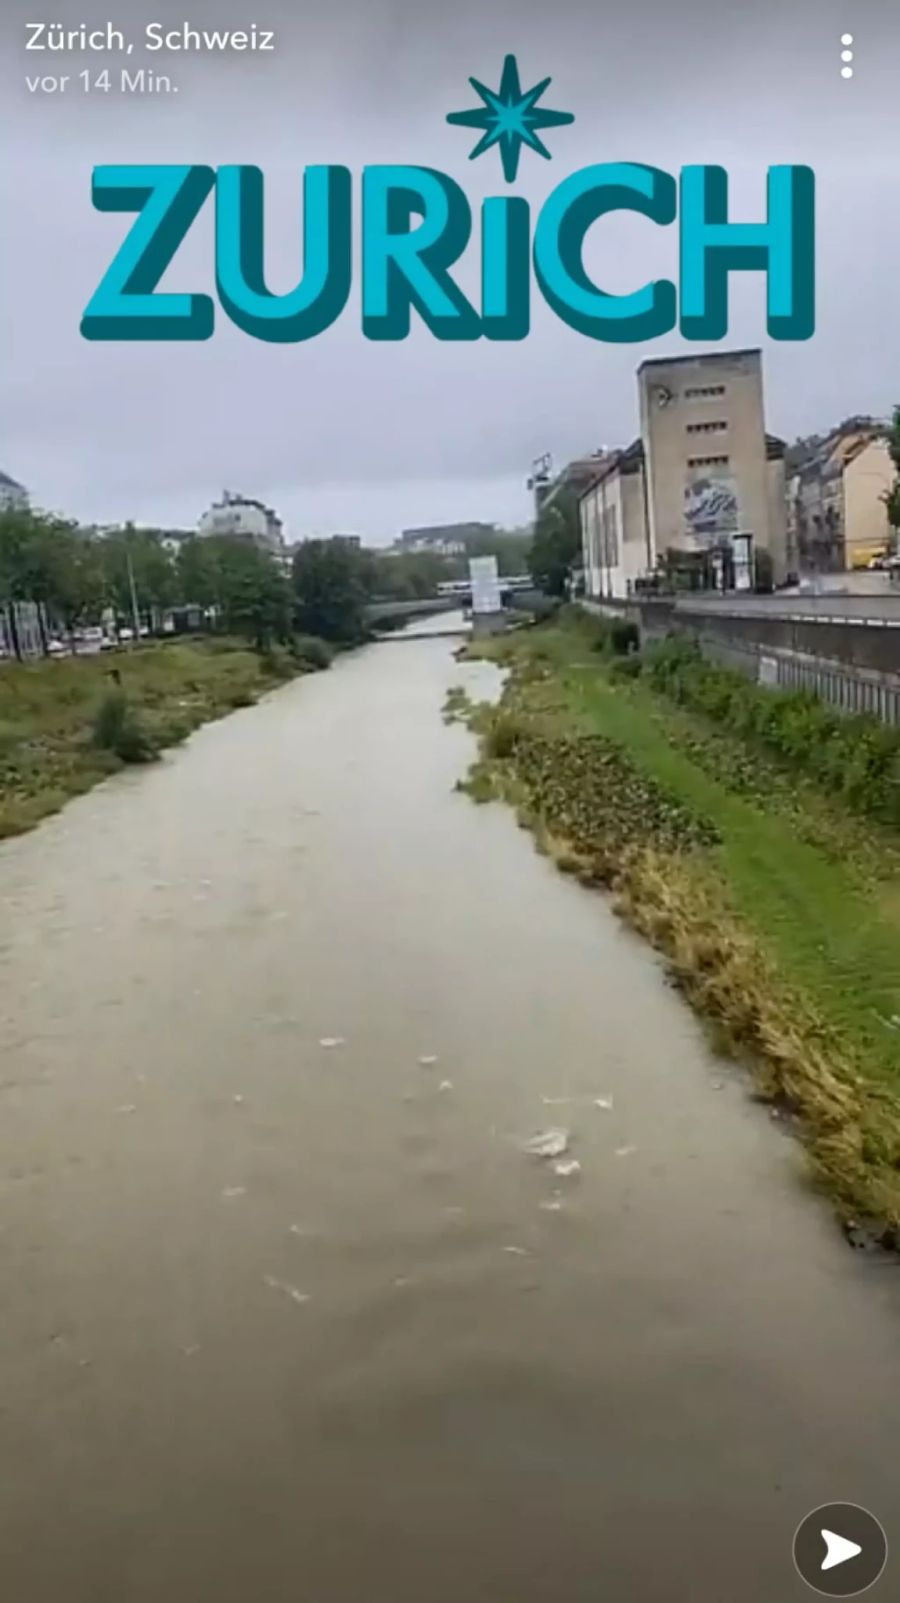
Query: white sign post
<point>485,582</point>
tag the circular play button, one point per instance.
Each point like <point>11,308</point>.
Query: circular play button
<point>840,1550</point>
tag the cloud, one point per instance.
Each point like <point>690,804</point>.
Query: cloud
<point>370,435</point>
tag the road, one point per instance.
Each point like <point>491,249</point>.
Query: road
<point>289,1311</point>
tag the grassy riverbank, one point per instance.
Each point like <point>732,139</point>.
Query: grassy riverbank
<point>49,748</point>
<point>777,906</point>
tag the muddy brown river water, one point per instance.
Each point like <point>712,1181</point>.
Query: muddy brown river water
<point>302,1323</point>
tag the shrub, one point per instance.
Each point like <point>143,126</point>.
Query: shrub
<point>630,667</point>
<point>855,757</point>
<point>624,636</point>
<point>502,736</point>
<point>119,728</point>
<point>277,662</point>
<point>311,651</point>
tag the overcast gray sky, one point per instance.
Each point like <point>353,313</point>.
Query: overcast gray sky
<point>344,434</point>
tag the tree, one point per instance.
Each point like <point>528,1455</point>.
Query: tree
<point>50,561</point>
<point>251,591</point>
<point>197,572</point>
<point>556,546</point>
<point>151,567</point>
<point>330,581</point>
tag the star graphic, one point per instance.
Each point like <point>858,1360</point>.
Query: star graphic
<point>510,118</point>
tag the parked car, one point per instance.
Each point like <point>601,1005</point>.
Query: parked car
<point>126,633</point>
<point>91,639</point>
<point>57,648</point>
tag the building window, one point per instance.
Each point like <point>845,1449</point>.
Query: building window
<point>704,392</point>
<point>609,536</point>
<point>718,427</point>
<point>708,461</point>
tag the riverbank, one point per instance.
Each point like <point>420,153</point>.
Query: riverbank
<point>776,907</point>
<point>48,746</point>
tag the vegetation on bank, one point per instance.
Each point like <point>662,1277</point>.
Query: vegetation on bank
<point>65,725</point>
<point>80,576</point>
<point>777,908</point>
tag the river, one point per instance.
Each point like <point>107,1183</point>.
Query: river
<point>292,1321</point>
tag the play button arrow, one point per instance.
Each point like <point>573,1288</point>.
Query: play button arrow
<point>839,1550</point>
<point>854,1547</point>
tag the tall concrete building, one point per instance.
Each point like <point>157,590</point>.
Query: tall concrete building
<point>711,470</point>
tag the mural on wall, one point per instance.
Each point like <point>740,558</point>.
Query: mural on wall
<point>711,506</point>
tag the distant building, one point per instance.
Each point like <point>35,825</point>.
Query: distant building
<point>442,539</point>
<point>242,517</point>
<point>13,496</point>
<point>577,476</point>
<point>173,539</point>
<point>836,486</point>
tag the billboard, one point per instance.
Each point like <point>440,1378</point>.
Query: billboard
<point>711,510</point>
<point>485,582</point>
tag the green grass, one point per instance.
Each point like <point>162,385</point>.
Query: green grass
<point>49,711</point>
<point>776,907</point>
<point>831,927</point>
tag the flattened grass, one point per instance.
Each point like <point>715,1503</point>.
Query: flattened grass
<point>782,925</point>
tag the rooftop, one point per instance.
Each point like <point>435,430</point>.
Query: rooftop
<point>701,356</point>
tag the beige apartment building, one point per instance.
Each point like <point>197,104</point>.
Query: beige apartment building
<point>836,513</point>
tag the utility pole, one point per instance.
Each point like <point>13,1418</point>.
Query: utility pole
<point>134,605</point>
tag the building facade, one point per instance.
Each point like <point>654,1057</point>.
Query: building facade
<point>702,478</point>
<point>708,460</point>
<point>13,496</point>
<point>836,489</point>
<point>614,529</point>
<point>242,517</point>
<point>442,539</point>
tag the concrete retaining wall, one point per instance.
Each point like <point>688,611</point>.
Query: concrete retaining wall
<point>854,665</point>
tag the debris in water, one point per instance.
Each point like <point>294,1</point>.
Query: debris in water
<point>238,1100</point>
<point>517,1252</point>
<point>428,1060</point>
<point>446,1085</point>
<point>233,1191</point>
<point>288,1290</point>
<point>127,1107</point>
<point>556,1101</point>
<point>548,1144</point>
<point>551,1205</point>
<point>329,1041</point>
<point>718,1085</point>
<point>625,1152</point>
<point>604,1102</point>
<point>566,1167</point>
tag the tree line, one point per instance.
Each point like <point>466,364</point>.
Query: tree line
<point>76,574</point>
